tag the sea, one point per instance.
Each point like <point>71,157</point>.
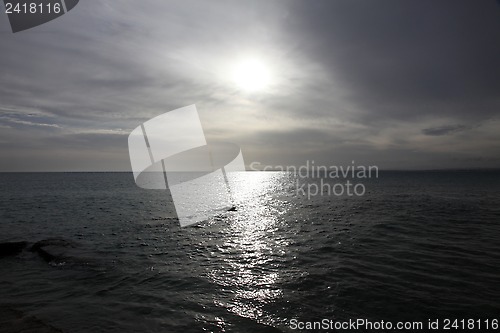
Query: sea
<point>415,247</point>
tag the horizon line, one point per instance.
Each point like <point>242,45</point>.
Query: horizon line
<point>276,170</point>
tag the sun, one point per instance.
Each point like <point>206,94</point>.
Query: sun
<point>251,75</point>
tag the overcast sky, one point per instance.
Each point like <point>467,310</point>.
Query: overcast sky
<point>398,84</point>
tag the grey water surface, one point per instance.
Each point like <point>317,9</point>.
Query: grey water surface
<point>415,246</point>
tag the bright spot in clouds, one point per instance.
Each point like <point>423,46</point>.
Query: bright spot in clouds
<point>251,75</point>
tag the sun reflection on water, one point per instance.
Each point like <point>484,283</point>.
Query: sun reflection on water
<point>250,250</point>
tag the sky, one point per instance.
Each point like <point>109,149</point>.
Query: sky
<point>397,84</point>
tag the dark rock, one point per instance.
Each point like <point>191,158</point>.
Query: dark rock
<point>11,248</point>
<point>52,250</point>
<point>232,209</point>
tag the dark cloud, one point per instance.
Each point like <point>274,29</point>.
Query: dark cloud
<point>443,130</point>
<point>408,59</point>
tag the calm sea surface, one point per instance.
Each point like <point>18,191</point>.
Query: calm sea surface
<point>416,246</point>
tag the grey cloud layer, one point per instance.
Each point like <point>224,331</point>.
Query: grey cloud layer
<point>384,81</point>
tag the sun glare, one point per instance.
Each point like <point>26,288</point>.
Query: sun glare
<point>251,75</point>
